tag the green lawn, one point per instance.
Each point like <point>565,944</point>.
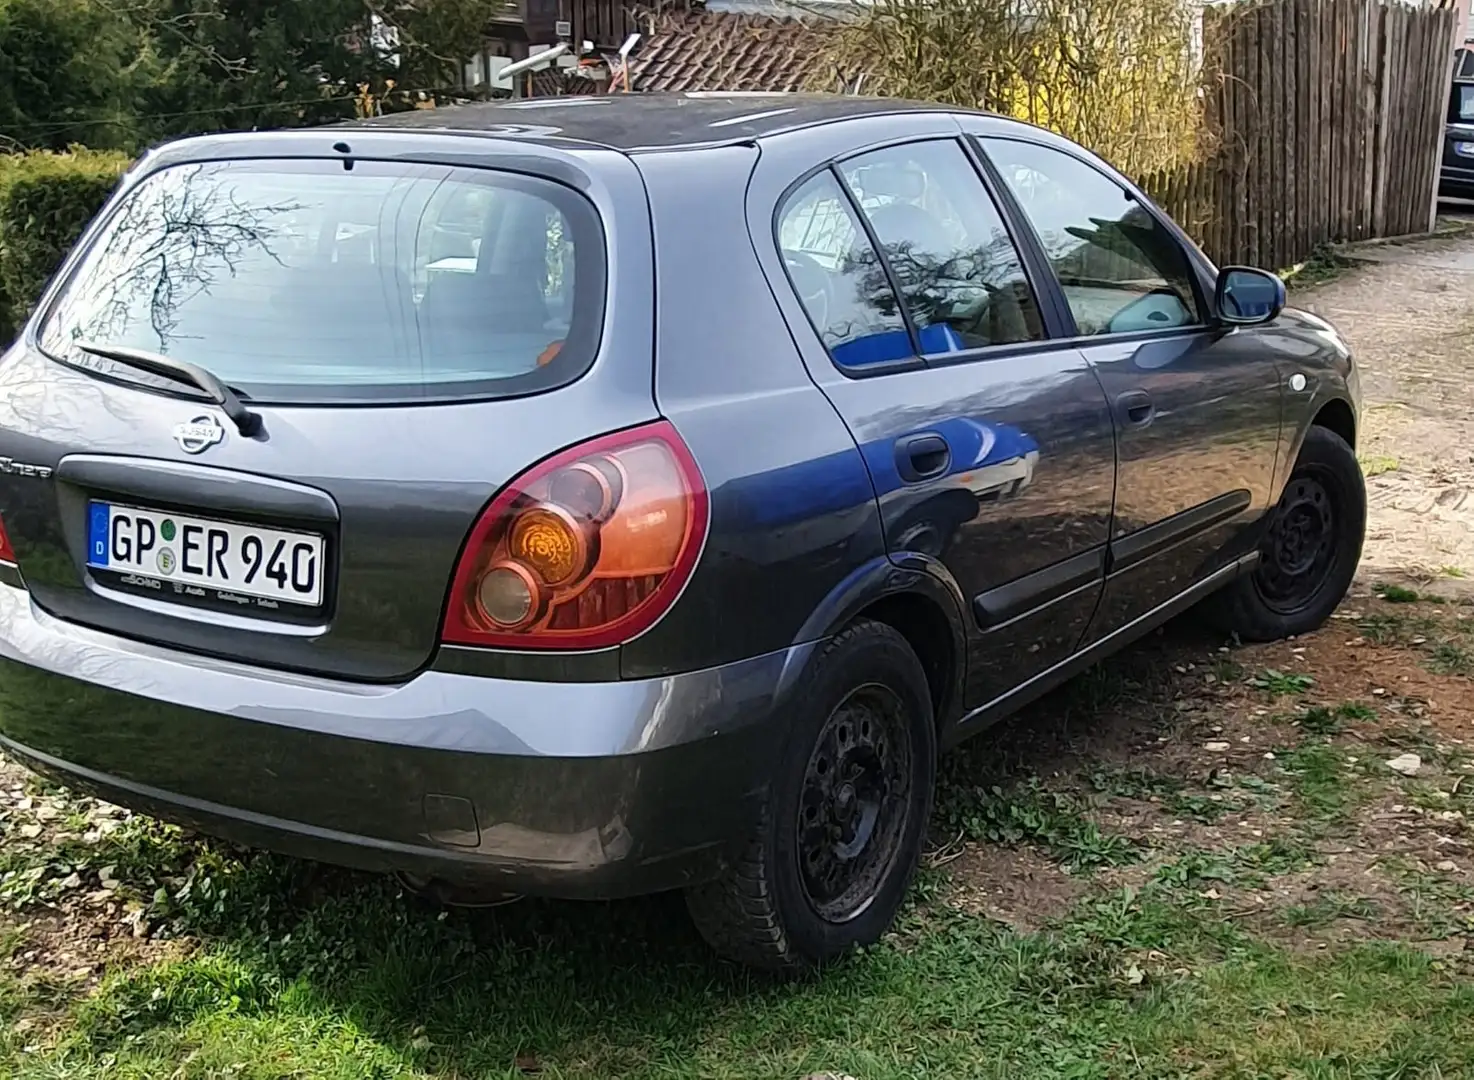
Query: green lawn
<point>360,983</point>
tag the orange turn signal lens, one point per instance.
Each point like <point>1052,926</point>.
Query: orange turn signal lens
<point>547,539</point>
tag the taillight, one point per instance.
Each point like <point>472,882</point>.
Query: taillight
<point>587,549</point>
<point>7,553</point>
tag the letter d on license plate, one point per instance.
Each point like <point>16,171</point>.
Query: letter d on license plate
<point>222,557</point>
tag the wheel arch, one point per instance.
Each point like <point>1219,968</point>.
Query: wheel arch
<point>1332,411</point>
<point>1337,416</point>
<point>918,598</point>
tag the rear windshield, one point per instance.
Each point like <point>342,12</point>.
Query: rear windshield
<point>308,281</point>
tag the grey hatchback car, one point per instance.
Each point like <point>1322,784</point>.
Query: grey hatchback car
<point>600,496</point>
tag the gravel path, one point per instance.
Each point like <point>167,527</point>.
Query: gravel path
<point>1408,312</point>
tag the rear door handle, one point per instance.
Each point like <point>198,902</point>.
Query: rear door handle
<point>922,457</point>
<point>1136,406</point>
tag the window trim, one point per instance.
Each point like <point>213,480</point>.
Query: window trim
<point>1206,314</point>
<point>1053,326</point>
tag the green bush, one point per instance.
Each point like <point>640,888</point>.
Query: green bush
<point>46,199</point>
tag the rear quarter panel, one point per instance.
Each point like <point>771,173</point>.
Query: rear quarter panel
<point>794,522</point>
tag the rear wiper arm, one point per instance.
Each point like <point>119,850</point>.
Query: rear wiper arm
<point>246,422</point>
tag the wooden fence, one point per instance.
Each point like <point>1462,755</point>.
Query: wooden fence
<point>1327,122</point>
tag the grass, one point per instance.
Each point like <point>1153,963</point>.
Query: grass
<point>1129,983</point>
<point>1378,464</point>
<point>1397,594</point>
<point>1327,785</point>
<point>1169,791</point>
<point>1327,721</point>
<point>1279,684</point>
<point>1451,658</point>
<point>1323,265</point>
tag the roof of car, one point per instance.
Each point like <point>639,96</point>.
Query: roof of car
<point>632,122</point>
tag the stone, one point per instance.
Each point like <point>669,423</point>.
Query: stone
<point>1406,764</point>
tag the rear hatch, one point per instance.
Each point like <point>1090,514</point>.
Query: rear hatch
<point>408,335</point>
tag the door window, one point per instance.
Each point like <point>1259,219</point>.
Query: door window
<point>839,277</point>
<point>952,257</point>
<point>1121,271</point>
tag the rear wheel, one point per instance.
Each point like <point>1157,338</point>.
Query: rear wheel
<point>1309,553</point>
<point>826,865</point>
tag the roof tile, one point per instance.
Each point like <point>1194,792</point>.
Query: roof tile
<point>696,51</point>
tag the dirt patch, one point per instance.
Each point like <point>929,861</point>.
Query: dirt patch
<point>1020,887</point>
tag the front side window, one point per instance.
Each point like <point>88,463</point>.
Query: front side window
<point>839,278</point>
<point>953,260</point>
<point>303,281</point>
<point>1121,271</point>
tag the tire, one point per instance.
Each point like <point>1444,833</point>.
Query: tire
<point>788,902</point>
<point>1319,525</point>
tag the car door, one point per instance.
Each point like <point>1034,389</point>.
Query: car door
<point>990,447</point>
<point>1196,405</point>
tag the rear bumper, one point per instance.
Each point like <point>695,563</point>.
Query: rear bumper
<point>565,789</point>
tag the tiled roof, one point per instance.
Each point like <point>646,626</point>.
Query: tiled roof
<point>712,50</point>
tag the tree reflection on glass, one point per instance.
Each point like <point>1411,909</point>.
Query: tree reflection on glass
<point>171,241</point>
<point>979,293</point>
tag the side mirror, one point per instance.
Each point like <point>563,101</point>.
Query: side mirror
<point>1248,297</point>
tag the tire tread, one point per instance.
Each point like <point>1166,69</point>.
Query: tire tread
<point>739,913</point>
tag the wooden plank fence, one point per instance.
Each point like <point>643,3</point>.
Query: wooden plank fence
<point>1327,120</point>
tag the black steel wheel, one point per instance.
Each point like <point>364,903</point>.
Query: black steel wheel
<point>1299,552</point>
<point>854,802</point>
<point>836,842</point>
<point>1310,549</point>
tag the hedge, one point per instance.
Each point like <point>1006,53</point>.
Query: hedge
<point>46,199</point>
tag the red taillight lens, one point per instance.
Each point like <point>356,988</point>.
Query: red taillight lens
<point>7,553</point>
<point>585,550</point>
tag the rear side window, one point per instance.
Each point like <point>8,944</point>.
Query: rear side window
<point>839,278</point>
<point>944,246</point>
<point>303,281</point>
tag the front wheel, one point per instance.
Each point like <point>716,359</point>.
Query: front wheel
<point>826,865</point>
<point>1310,551</point>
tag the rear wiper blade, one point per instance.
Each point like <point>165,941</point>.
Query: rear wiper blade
<point>246,422</point>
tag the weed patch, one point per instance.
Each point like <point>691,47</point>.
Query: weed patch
<point>1279,684</point>
<point>1325,783</point>
<point>1029,813</point>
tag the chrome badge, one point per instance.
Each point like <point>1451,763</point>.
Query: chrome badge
<point>198,434</point>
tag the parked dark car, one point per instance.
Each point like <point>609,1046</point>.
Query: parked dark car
<point>1456,178</point>
<point>662,532</point>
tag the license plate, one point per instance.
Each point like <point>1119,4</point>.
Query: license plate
<point>1465,148</point>
<point>195,557</point>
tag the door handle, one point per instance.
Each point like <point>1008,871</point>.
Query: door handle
<point>922,457</point>
<point>1137,407</point>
